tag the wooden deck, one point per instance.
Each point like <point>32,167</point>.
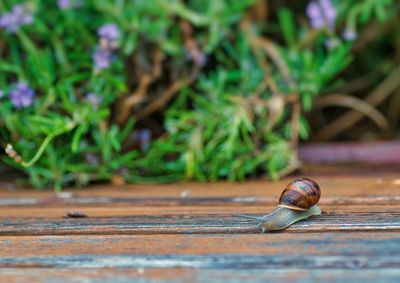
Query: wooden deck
<point>192,232</point>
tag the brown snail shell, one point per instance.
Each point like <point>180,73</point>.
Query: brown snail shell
<point>301,194</point>
<point>297,202</point>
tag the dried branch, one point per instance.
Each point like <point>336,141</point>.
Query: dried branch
<point>376,96</point>
<point>197,55</point>
<point>166,96</point>
<point>129,102</point>
<point>259,11</point>
<point>270,48</point>
<point>135,98</point>
<point>355,103</point>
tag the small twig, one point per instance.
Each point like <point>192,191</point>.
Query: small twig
<point>135,98</point>
<point>272,84</point>
<point>259,11</point>
<point>354,103</point>
<point>360,83</point>
<point>270,48</point>
<point>194,49</point>
<point>262,86</point>
<point>291,98</point>
<point>161,101</point>
<point>127,104</point>
<point>273,52</point>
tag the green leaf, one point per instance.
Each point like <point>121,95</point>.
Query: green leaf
<point>76,138</point>
<point>287,24</point>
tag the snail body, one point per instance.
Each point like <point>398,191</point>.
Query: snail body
<point>281,218</point>
<point>297,202</point>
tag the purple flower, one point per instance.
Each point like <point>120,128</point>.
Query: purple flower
<point>22,95</point>
<point>102,58</point>
<point>321,14</point>
<point>144,138</point>
<point>20,14</point>
<point>66,4</point>
<point>108,31</point>
<point>349,34</point>
<point>140,138</point>
<point>197,55</point>
<point>108,42</point>
<point>93,99</point>
<point>109,36</point>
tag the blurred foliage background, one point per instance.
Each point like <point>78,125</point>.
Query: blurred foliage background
<point>170,90</point>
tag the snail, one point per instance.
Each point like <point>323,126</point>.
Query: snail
<point>298,202</point>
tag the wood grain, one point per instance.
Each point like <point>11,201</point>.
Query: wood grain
<point>371,189</point>
<point>367,244</point>
<point>193,232</point>
<point>194,224</point>
<point>187,210</point>
<point>250,200</point>
<point>370,182</point>
<point>304,251</point>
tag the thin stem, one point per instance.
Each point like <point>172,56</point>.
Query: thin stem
<point>45,143</point>
<point>40,151</point>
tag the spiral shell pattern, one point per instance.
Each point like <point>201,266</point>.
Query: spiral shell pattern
<point>301,194</point>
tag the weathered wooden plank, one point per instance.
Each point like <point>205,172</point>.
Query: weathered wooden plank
<point>365,243</point>
<point>130,211</point>
<point>171,206</point>
<point>333,183</point>
<point>183,275</point>
<point>270,251</point>
<point>371,187</point>
<point>191,232</point>
<point>216,261</point>
<point>189,224</point>
<point>188,201</point>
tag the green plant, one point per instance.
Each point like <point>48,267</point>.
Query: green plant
<point>231,90</point>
